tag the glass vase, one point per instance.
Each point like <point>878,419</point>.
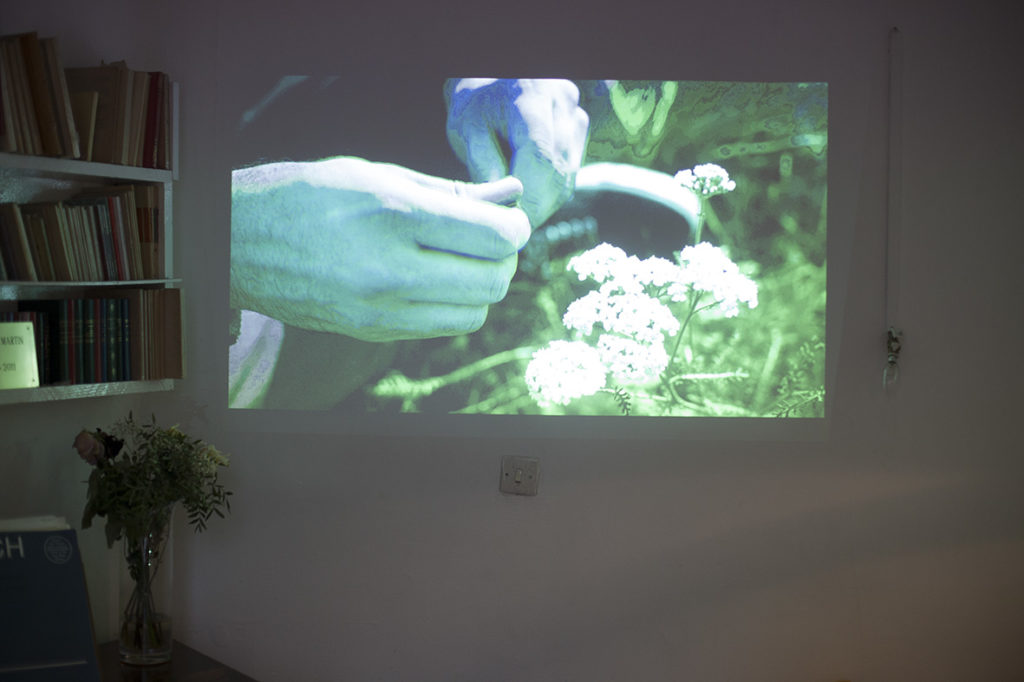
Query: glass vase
<point>147,591</point>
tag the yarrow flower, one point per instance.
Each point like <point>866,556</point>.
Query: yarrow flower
<point>610,266</point>
<point>599,263</point>
<point>636,316</point>
<point>706,179</point>
<point>632,362</point>
<point>706,268</point>
<point>630,318</point>
<point>563,371</point>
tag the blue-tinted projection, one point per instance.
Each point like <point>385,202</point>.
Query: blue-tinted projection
<point>548,247</point>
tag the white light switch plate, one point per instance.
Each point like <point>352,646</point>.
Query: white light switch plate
<point>519,475</point>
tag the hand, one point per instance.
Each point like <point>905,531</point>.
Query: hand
<point>373,251</point>
<point>540,120</point>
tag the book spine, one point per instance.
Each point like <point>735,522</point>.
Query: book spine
<point>81,362</point>
<point>99,346</point>
<point>112,339</point>
<point>67,341</point>
<point>125,338</point>
<point>42,101</point>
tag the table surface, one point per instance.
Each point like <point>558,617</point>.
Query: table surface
<point>186,665</point>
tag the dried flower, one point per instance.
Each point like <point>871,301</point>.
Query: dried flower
<point>90,446</point>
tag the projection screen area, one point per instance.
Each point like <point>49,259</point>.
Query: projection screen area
<point>543,247</point>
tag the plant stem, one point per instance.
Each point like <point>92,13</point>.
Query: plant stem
<point>694,300</point>
<point>400,386</point>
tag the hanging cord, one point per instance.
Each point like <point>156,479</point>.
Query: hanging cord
<point>894,197</point>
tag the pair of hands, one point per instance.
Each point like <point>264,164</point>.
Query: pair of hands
<point>379,252</point>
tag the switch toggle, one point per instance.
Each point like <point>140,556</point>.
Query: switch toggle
<point>519,475</point>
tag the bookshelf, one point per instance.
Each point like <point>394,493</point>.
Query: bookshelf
<point>28,179</point>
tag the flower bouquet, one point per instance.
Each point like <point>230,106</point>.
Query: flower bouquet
<point>141,471</point>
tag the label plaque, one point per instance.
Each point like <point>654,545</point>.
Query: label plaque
<point>18,368</point>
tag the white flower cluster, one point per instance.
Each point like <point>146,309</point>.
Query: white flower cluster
<point>706,268</point>
<point>629,318</point>
<point>563,371</point>
<point>629,321</point>
<point>600,263</point>
<point>706,179</point>
<point>610,267</point>
<point>636,316</point>
<point>632,362</point>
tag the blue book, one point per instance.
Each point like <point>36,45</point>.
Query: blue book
<point>46,632</point>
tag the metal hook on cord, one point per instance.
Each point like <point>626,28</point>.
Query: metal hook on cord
<point>893,345</point>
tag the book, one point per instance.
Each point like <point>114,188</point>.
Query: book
<point>8,136</point>
<point>14,239</point>
<point>40,93</point>
<point>113,341</point>
<point>137,122</point>
<point>148,220</point>
<point>157,122</point>
<point>124,222</point>
<point>104,233</point>
<point>133,114</point>
<point>39,246</point>
<point>66,343</point>
<point>83,107</point>
<point>86,309</point>
<point>46,315</point>
<point>98,235</point>
<point>129,334</point>
<point>7,251</point>
<point>168,350</point>
<point>124,338</point>
<point>63,110</point>
<point>110,82</point>
<point>26,123</point>
<point>49,215</point>
<point>46,629</point>
<point>80,361</point>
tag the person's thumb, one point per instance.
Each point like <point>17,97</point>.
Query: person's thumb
<point>485,159</point>
<point>505,191</point>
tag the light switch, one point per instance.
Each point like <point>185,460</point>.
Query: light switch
<point>519,475</point>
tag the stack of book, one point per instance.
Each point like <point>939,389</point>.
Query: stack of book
<point>127,335</point>
<point>108,233</point>
<point>107,113</point>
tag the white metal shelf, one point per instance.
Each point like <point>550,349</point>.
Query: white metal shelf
<point>51,166</point>
<point>24,179</point>
<point>42,394</point>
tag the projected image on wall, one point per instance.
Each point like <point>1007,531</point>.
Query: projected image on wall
<point>614,248</point>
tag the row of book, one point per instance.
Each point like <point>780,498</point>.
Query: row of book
<point>128,335</point>
<point>109,233</point>
<point>107,113</point>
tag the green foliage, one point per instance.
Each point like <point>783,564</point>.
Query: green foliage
<point>802,389</point>
<point>803,403</point>
<point>148,470</point>
<point>622,399</point>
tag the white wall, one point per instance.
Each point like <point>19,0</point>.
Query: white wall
<point>892,548</point>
